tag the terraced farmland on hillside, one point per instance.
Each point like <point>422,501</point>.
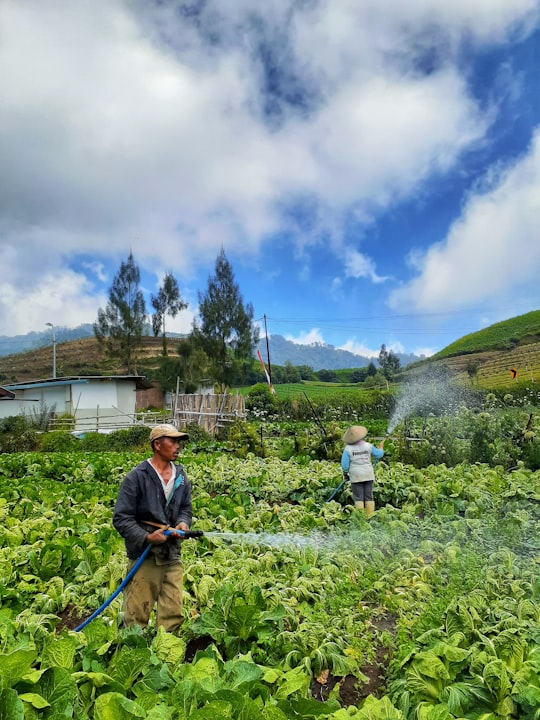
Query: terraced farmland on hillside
<point>492,368</point>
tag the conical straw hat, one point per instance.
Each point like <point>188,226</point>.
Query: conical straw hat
<point>354,434</point>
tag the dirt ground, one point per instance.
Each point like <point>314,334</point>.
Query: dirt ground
<point>351,692</point>
<point>70,618</point>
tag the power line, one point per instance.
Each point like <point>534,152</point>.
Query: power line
<point>331,325</point>
<point>362,323</point>
<point>392,316</point>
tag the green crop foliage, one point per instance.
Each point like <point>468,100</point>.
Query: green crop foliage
<point>436,596</point>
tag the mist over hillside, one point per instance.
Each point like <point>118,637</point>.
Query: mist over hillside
<point>319,356</point>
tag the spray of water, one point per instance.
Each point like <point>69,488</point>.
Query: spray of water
<point>273,540</point>
<point>316,540</point>
<point>432,391</point>
<point>416,538</point>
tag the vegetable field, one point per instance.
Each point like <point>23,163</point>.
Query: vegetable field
<point>294,607</point>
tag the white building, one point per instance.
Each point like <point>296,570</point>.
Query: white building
<point>96,402</point>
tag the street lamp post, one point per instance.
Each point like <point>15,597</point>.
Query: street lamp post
<point>53,349</point>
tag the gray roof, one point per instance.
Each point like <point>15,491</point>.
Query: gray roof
<point>140,381</point>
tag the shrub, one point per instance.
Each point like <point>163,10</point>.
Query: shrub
<point>41,416</point>
<point>58,441</point>
<point>17,435</point>
<point>245,439</point>
<point>65,421</point>
<point>531,454</point>
<point>375,381</point>
<point>94,442</point>
<point>260,401</point>
<point>133,437</point>
<point>197,434</point>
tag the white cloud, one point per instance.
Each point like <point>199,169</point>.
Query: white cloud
<point>97,269</point>
<point>368,33</point>
<point>134,142</point>
<point>63,299</point>
<point>358,265</point>
<point>395,346</point>
<point>491,252</point>
<point>182,323</point>
<point>306,338</point>
<point>425,351</point>
<point>123,127</point>
<point>359,348</point>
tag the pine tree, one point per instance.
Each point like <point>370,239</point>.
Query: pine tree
<point>189,367</point>
<point>388,362</point>
<point>225,331</point>
<point>166,302</point>
<point>120,326</point>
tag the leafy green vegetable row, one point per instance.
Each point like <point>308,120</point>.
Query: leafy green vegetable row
<point>438,592</point>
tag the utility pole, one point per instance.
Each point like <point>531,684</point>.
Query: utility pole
<point>268,351</point>
<point>53,349</point>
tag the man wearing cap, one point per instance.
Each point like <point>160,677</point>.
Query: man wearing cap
<point>156,492</point>
<point>357,467</point>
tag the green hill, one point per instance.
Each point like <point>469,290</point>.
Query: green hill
<point>503,355</point>
<point>505,335</point>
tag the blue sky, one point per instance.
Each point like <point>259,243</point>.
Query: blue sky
<point>372,169</point>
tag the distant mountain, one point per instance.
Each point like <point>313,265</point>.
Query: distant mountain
<point>321,356</point>
<point>11,345</point>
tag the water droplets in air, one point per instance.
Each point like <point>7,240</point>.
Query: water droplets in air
<point>433,391</point>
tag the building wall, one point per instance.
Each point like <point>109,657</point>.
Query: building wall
<point>104,403</point>
<point>153,397</point>
<point>96,404</point>
<point>32,400</point>
<point>11,408</point>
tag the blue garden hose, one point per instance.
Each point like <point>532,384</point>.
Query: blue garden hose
<point>341,484</point>
<point>131,573</point>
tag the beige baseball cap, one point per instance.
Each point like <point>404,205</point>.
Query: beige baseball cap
<point>167,430</point>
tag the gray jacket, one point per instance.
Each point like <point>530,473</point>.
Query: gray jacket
<point>141,498</point>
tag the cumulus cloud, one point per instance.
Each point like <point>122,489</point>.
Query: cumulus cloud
<point>136,126</point>
<point>491,251</point>
<point>65,299</point>
<point>306,338</point>
<point>97,269</point>
<point>395,346</point>
<point>182,323</point>
<point>359,348</point>
<point>132,139</point>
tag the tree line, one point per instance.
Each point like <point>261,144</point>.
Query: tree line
<point>221,341</point>
<point>387,369</point>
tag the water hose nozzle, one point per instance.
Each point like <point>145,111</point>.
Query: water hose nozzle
<point>193,534</point>
<point>185,534</point>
